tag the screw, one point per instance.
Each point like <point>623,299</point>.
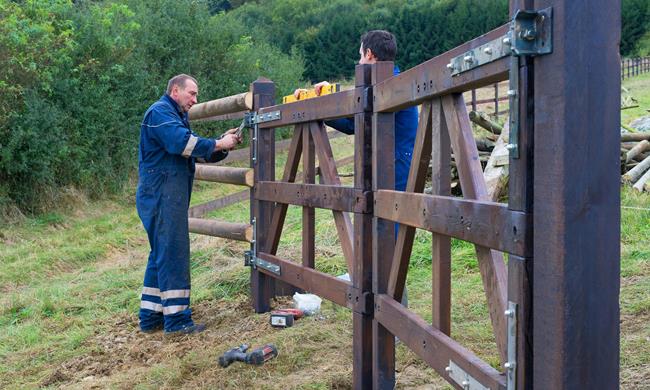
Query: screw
<point>465,384</point>
<point>506,41</point>
<point>510,365</point>
<point>512,92</point>
<point>448,369</point>
<point>509,313</point>
<point>510,147</point>
<point>450,66</point>
<point>488,51</point>
<point>469,59</point>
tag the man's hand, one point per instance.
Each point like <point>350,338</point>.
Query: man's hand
<point>228,141</point>
<point>319,87</point>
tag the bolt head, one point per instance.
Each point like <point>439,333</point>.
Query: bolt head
<point>469,59</point>
<point>509,147</point>
<point>512,92</point>
<point>448,369</point>
<point>450,66</point>
<point>506,41</point>
<point>487,50</point>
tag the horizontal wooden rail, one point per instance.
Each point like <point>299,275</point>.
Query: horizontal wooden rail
<point>229,175</point>
<point>224,117</point>
<point>486,224</point>
<point>335,105</point>
<point>229,230</point>
<point>225,105</point>
<point>433,346</point>
<point>315,195</point>
<point>432,78</point>
<point>316,282</point>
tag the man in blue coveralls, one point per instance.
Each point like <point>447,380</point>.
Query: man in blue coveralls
<point>167,154</point>
<point>380,45</point>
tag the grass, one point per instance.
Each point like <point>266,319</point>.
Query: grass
<point>70,284</point>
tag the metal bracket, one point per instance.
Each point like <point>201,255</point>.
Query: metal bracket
<point>255,262</point>
<point>532,32</point>
<point>530,35</point>
<point>484,54</point>
<point>511,364</point>
<point>466,381</point>
<point>254,118</point>
<point>360,301</point>
<point>367,99</point>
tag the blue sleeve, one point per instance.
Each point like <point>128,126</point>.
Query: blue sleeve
<point>344,125</point>
<point>175,137</point>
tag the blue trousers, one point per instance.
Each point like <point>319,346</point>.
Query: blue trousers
<point>162,201</point>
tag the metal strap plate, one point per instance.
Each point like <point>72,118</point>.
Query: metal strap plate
<point>484,54</point>
<point>268,117</point>
<point>465,381</point>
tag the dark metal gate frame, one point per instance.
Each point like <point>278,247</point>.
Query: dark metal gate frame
<point>554,310</point>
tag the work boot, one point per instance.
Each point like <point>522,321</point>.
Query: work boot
<point>152,329</point>
<point>188,330</point>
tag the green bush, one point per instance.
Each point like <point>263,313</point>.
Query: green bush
<point>76,78</point>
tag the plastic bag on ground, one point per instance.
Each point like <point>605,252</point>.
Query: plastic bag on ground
<point>308,303</point>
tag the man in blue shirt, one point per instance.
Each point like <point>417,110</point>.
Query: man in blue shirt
<point>380,45</point>
<point>167,155</point>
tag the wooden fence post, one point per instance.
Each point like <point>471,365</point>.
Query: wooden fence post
<point>363,237</point>
<point>383,177</point>
<point>577,199</point>
<point>262,286</point>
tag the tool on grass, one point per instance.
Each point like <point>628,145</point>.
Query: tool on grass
<point>284,318</point>
<point>256,357</point>
<point>311,93</point>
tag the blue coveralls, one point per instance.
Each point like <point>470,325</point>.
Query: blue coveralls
<point>167,154</point>
<point>406,125</point>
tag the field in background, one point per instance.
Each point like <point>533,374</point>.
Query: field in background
<point>70,285</point>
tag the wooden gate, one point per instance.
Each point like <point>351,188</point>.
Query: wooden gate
<point>554,303</point>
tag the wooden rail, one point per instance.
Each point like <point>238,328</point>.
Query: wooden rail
<point>229,230</point>
<point>223,106</point>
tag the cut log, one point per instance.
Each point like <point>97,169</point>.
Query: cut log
<point>635,137</point>
<point>484,145</point>
<point>635,173</point>
<point>481,119</point>
<point>229,175</point>
<point>636,150</point>
<point>642,182</point>
<point>226,105</point>
<point>496,171</point>
<point>229,230</point>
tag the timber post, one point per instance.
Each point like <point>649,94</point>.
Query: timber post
<point>577,198</point>
<point>361,274</point>
<point>263,163</point>
<point>383,177</point>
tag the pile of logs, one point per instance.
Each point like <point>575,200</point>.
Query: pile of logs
<point>635,160</point>
<point>491,145</point>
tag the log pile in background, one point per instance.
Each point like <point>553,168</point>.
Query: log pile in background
<point>635,160</point>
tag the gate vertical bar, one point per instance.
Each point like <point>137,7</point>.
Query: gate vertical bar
<point>577,199</point>
<point>362,271</point>
<point>383,177</point>
<point>440,245</point>
<point>520,198</point>
<point>263,162</point>
<point>308,213</point>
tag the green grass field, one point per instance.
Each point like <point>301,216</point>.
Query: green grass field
<point>70,283</point>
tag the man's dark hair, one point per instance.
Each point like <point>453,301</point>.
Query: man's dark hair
<point>179,80</point>
<point>382,44</point>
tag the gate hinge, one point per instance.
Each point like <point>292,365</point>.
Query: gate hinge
<point>252,118</point>
<point>532,32</point>
<point>462,378</point>
<point>530,35</point>
<point>255,262</point>
<point>511,364</point>
<point>360,301</point>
